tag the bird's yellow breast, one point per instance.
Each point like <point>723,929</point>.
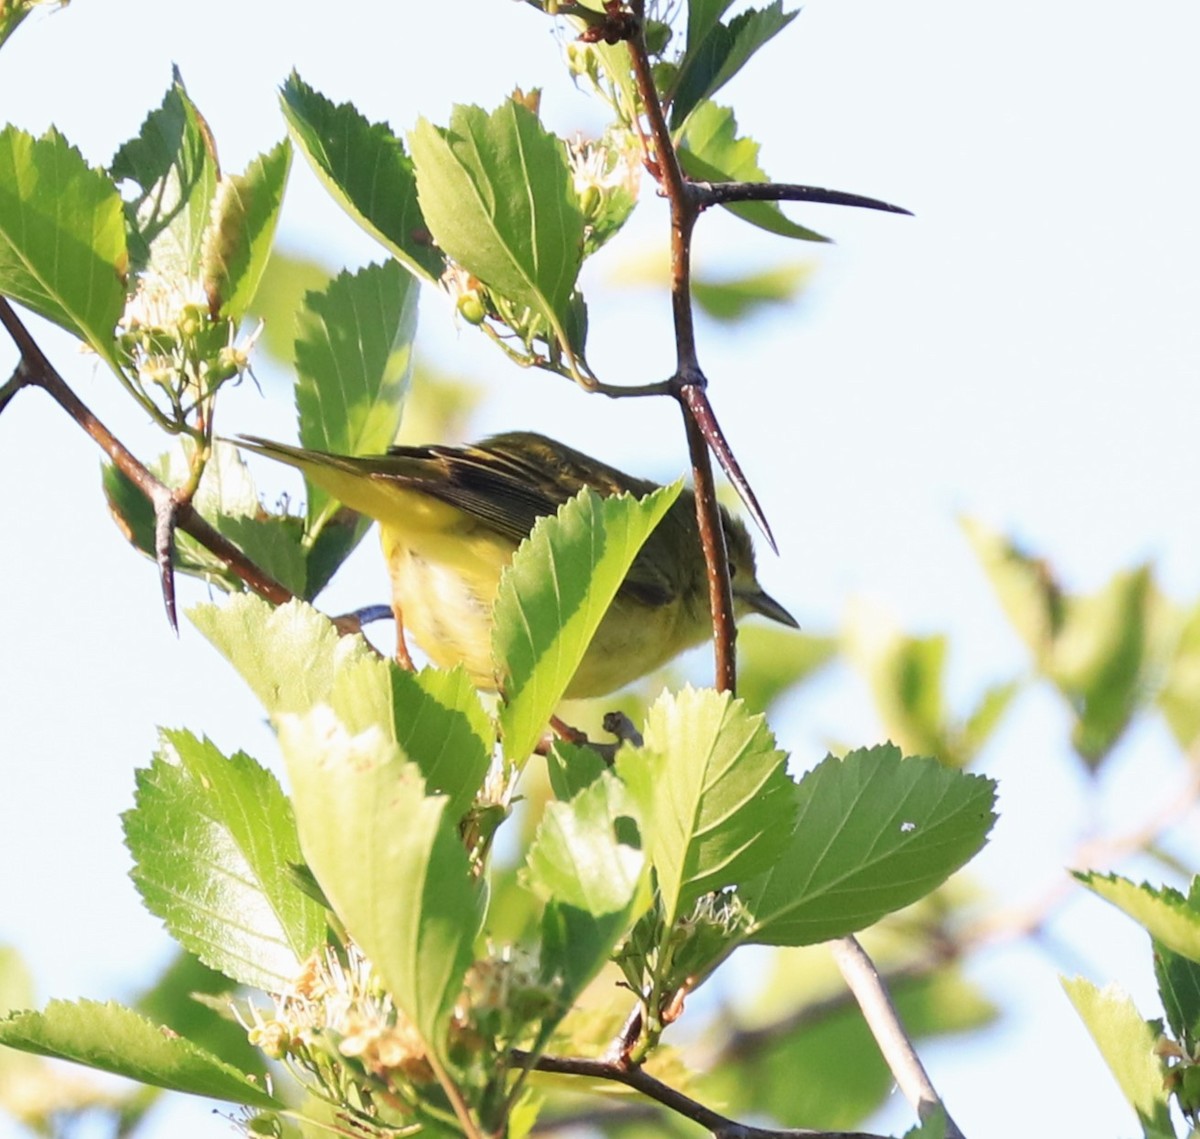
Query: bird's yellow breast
<point>445,584</point>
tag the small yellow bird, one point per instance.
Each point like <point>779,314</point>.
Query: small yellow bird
<point>451,518</point>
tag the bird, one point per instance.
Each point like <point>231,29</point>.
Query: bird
<point>451,518</point>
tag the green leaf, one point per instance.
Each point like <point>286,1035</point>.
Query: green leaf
<point>1179,697</point>
<point>985,717</point>
<point>1179,987</point>
<point>1169,917</point>
<point>621,90</point>
<point>572,767</point>
<point>390,861</point>
<point>1100,660</point>
<point>553,596</point>
<point>1101,652</point>
<point>720,51</point>
<point>586,862</point>
<point>738,298</point>
<point>62,237</point>
<point>874,833</point>
<point>213,841</point>
<point>273,543</point>
<point>702,18</point>
<point>906,674</point>
<point>497,193</point>
<point>353,364</point>
<point>575,946</point>
<point>116,1039</point>
<point>719,803</point>
<point>364,167</point>
<point>238,240</point>
<point>11,16</point>
<point>710,151</point>
<point>771,662</point>
<point>587,853</point>
<point>434,717</point>
<point>1027,590</point>
<point>173,164</point>
<point>1126,1042</point>
<point>288,655</point>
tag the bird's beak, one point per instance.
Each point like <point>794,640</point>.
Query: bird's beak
<point>764,603</point>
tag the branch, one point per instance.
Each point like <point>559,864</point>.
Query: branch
<point>36,370</point>
<point>641,1081</point>
<point>864,982</point>
<point>688,379</point>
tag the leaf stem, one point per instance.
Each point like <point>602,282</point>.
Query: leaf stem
<point>863,980</point>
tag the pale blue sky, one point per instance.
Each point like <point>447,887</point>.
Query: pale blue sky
<point>1025,349</point>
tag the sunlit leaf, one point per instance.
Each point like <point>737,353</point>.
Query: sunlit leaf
<point>366,170</point>
<point>353,363</point>
<point>237,243</point>
<point>719,52</point>
<point>719,804</point>
<point>390,861</point>
<point>116,1039</point>
<point>874,832</point>
<point>434,716</point>
<point>62,237</point>
<point>497,194</point>
<point>710,151</point>
<point>173,164</point>
<point>1166,914</point>
<point>1126,1042</point>
<point>213,841</point>
<point>288,655</point>
<point>554,595</point>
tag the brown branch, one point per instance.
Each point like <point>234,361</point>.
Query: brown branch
<point>716,558</point>
<point>688,380</point>
<point>639,1080</point>
<point>724,193</point>
<point>39,372</point>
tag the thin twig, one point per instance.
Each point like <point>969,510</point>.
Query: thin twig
<point>862,978</point>
<point>461,1111</point>
<point>639,1080</point>
<point>41,373</point>
<point>18,380</point>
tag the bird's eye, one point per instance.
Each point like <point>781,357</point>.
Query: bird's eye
<point>732,570</point>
